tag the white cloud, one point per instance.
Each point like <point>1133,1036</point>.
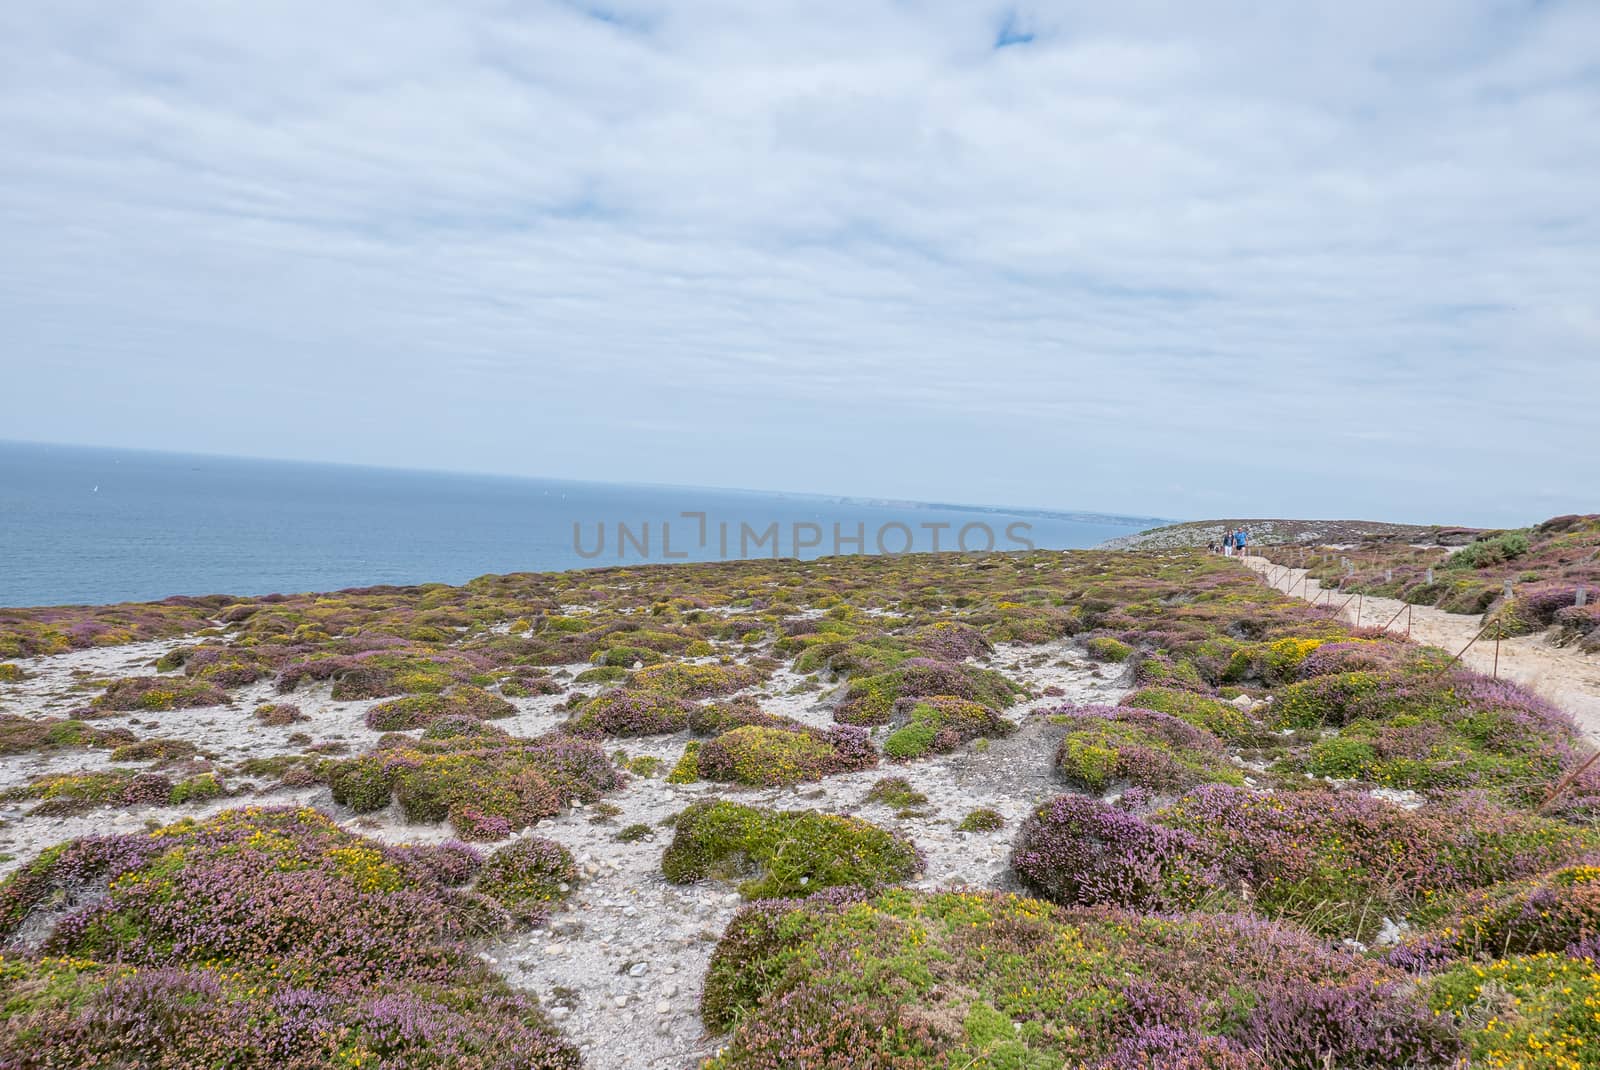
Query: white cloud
<point>1300,257</point>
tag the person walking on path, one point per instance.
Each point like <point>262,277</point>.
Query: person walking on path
<point>1240,537</point>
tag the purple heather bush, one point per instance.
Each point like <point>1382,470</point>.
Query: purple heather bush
<point>1122,745</point>
<point>259,938</point>
<point>951,641</point>
<point>1339,862</point>
<point>626,712</point>
<point>1556,911</point>
<point>279,714</point>
<point>1078,850</point>
<point>420,711</point>
<point>159,693</point>
<point>947,979</point>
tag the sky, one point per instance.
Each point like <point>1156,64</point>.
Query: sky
<point>1179,259</point>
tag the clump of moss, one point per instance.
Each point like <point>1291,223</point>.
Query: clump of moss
<point>982,819</point>
<point>10,672</point>
<point>634,833</point>
<point>939,724</point>
<point>897,793</point>
<point>626,657</point>
<point>784,852</point>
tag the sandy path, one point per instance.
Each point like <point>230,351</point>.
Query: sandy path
<point>1568,678</point>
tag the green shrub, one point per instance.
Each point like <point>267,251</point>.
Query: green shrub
<point>199,788</point>
<point>687,769</point>
<point>784,853</point>
<point>1222,719</point>
<point>941,723</point>
<point>982,819</point>
<point>771,757</point>
<point>693,681</point>
<point>528,874</point>
<point>1534,1011</point>
<point>1108,745</point>
<point>1107,648</point>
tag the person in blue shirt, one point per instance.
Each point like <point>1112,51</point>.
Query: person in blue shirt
<point>1239,539</point>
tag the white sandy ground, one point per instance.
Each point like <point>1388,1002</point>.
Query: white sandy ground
<point>1567,677</point>
<point>621,963</point>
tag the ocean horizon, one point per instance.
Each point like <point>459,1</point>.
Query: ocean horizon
<point>92,525</point>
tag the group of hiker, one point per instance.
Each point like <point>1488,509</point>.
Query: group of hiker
<point>1233,543</point>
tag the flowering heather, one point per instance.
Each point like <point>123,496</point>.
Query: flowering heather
<point>1221,719</point>
<point>1078,850</point>
<point>682,680</point>
<point>75,793</point>
<point>938,724</point>
<point>871,700</point>
<point>279,714</point>
<point>386,671</point>
<point>1340,862</point>
<point>785,753</point>
<point>626,712</point>
<point>948,980</point>
<point>1384,654</point>
<point>1121,745</point>
<point>159,693</point>
<point>791,852</point>
<point>1557,911</point>
<point>224,665</point>
<point>716,718</point>
<point>19,734</point>
<point>949,640</point>
<point>259,938</point>
<point>419,711</point>
<point>488,787</point>
<point>527,875</point>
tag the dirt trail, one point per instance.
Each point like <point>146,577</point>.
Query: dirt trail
<point>1568,678</point>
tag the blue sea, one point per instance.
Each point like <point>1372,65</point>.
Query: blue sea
<point>86,525</point>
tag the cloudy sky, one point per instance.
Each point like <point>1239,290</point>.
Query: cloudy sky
<point>1183,259</point>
